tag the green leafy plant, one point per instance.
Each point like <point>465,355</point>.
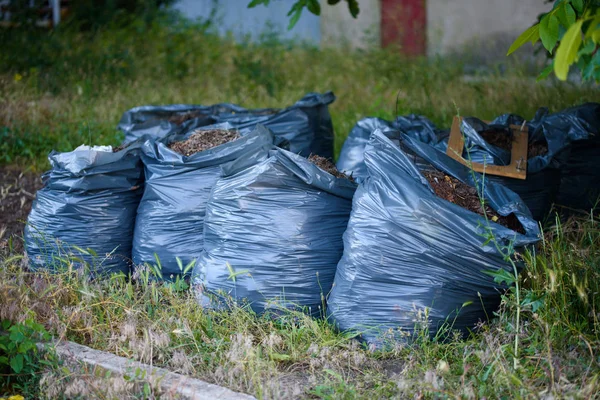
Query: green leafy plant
<point>571,32</point>
<point>19,358</point>
<point>177,282</point>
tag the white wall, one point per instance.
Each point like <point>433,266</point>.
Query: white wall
<point>459,24</point>
<point>483,27</point>
<point>338,27</point>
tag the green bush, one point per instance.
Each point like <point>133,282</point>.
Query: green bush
<point>20,361</point>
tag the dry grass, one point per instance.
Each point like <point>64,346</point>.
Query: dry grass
<point>73,90</point>
<point>295,356</point>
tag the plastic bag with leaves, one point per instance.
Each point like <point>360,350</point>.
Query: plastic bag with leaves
<point>169,230</point>
<point>412,259</point>
<point>306,126</point>
<point>273,234</point>
<point>85,213</point>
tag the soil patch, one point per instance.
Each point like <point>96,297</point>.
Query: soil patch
<point>328,166</point>
<point>203,140</point>
<point>454,191</point>
<point>498,137</point>
<point>535,149</point>
<point>503,139</point>
<point>120,147</point>
<point>17,192</point>
<point>179,119</point>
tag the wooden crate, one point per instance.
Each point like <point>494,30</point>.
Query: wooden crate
<point>518,162</point>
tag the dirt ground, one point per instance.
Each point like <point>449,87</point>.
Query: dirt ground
<point>203,140</point>
<point>503,140</point>
<point>453,190</point>
<point>17,192</point>
<point>328,166</point>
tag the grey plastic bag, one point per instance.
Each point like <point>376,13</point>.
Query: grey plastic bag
<point>541,187</point>
<point>273,234</point>
<point>352,156</point>
<point>407,251</point>
<point>351,159</point>
<point>306,125</point>
<point>567,174</point>
<point>538,191</point>
<point>170,217</point>
<point>86,209</point>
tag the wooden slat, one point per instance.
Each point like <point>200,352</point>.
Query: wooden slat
<point>518,162</point>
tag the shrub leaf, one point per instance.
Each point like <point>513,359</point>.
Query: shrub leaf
<point>567,50</point>
<point>530,35</point>
<point>549,31</point>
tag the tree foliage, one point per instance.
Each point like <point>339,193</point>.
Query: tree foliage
<point>571,33</point>
<point>314,6</point>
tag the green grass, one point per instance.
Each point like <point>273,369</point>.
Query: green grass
<point>62,90</point>
<point>295,355</point>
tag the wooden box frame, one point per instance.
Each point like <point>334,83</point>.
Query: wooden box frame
<point>518,161</point>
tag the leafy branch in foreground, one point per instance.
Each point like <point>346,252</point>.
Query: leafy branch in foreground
<point>314,6</point>
<point>571,30</point>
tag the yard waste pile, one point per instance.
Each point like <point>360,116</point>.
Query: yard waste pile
<point>170,217</point>
<point>563,149</point>
<point>562,165</point>
<point>273,233</point>
<point>306,125</point>
<point>407,250</point>
<point>86,209</point>
<point>547,153</point>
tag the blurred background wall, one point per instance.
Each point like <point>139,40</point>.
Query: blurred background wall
<point>417,27</point>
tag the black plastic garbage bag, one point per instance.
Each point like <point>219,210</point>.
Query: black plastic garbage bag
<point>580,178</point>
<point>420,128</point>
<point>351,159</point>
<point>539,190</point>
<point>407,250</point>
<point>541,187</point>
<point>306,125</point>
<point>170,217</point>
<point>273,234</point>
<point>567,175</point>
<point>87,210</point>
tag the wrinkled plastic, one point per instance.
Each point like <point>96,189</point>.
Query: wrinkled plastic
<point>89,200</point>
<point>567,174</point>
<point>541,187</point>
<point>306,125</point>
<point>407,250</point>
<point>273,234</point>
<point>170,217</point>
<point>580,178</point>
<point>351,159</point>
